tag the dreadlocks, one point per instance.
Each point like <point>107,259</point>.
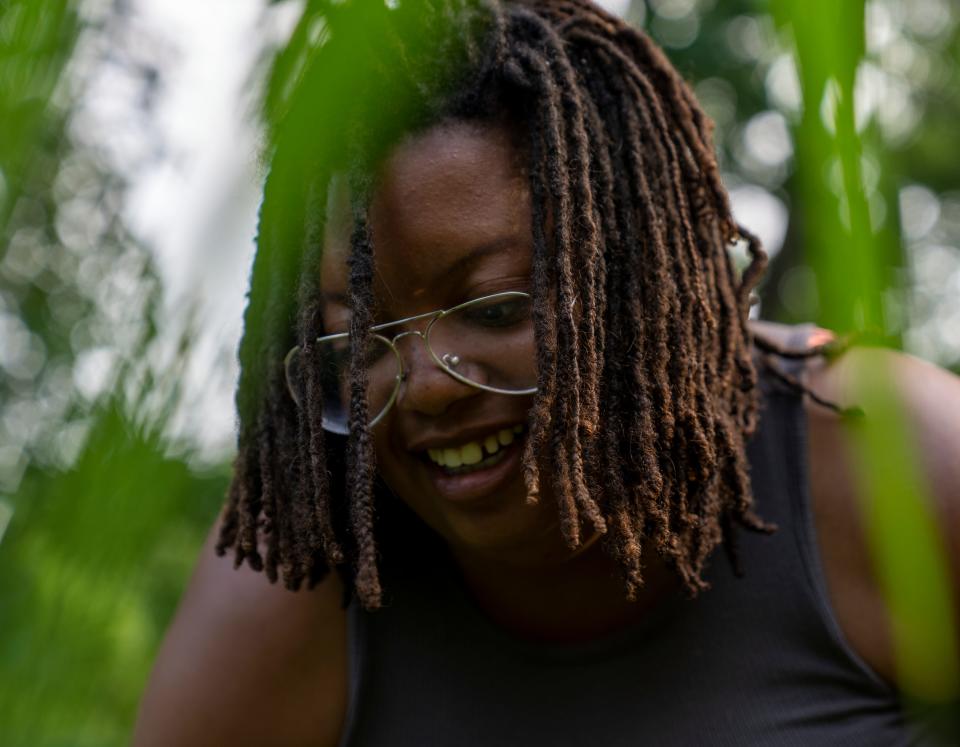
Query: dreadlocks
<point>646,388</point>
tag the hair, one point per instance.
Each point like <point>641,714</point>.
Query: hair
<point>646,392</point>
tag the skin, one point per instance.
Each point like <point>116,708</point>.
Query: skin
<point>931,400</point>
<point>243,659</point>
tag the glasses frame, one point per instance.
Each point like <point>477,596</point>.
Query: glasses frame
<point>391,342</point>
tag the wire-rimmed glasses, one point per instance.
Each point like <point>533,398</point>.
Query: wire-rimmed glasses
<point>487,343</point>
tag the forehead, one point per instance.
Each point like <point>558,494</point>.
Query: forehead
<point>447,201</point>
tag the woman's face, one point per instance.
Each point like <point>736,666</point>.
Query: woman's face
<point>451,222</point>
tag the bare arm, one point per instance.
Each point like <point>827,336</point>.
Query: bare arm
<point>248,663</point>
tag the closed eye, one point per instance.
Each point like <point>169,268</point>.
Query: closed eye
<point>498,313</point>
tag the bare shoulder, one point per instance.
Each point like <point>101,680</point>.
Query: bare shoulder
<point>246,662</point>
<point>930,402</point>
<point>930,399</point>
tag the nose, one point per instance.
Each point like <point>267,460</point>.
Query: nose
<point>426,388</point>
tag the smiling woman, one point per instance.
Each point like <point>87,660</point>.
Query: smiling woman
<point>451,223</point>
<point>518,411</point>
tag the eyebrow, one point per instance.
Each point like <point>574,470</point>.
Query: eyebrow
<point>335,297</point>
<point>460,266</point>
<point>467,262</point>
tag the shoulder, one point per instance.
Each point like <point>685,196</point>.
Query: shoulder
<point>921,397</point>
<point>926,403</point>
<point>921,428</point>
<point>246,662</point>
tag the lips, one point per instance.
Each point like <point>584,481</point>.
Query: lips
<point>476,469</point>
<point>474,454</point>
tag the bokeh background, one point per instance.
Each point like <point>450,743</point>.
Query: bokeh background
<point>130,171</point>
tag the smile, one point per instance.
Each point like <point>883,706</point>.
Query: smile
<point>475,455</point>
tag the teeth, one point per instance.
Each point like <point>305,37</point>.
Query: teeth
<point>474,452</point>
<point>452,458</point>
<point>471,453</point>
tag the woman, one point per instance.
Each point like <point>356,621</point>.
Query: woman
<point>508,391</point>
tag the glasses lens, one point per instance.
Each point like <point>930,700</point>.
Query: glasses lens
<point>489,342</point>
<point>333,373</point>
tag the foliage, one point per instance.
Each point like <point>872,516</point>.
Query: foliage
<point>907,548</point>
<point>101,523</point>
<point>76,291</point>
<point>94,560</point>
<point>901,59</point>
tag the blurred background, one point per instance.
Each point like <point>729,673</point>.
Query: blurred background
<point>130,173</point>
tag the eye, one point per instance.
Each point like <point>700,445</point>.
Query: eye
<point>498,313</point>
<point>335,354</point>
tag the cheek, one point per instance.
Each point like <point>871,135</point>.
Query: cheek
<point>398,473</point>
<point>386,461</point>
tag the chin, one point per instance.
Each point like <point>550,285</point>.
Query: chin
<point>517,534</point>
<point>488,517</point>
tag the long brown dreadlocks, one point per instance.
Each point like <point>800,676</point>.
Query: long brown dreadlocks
<point>646,386</point>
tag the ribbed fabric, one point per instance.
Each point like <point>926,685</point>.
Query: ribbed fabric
<point>758,660</point>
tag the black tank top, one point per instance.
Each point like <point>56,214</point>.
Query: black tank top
<point>756,660</point>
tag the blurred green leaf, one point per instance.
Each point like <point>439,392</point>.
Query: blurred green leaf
<point>854,266</point>
<point>93,562</point>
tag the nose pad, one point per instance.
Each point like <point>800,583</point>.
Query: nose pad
<point>425,387</point>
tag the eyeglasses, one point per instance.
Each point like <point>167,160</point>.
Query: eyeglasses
<point>487,343</point>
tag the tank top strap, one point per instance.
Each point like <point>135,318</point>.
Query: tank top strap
<point>780,477</point>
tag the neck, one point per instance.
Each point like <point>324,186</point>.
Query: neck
<point>575,600</point>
